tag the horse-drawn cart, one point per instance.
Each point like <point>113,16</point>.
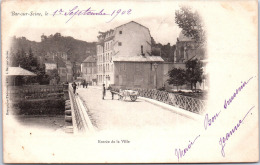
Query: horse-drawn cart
<point>129,93</point>
<point>126,93</point>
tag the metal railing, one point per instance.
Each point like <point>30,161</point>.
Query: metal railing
<point>185,102</point>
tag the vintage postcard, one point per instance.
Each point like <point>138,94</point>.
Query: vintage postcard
<point>171,81</point>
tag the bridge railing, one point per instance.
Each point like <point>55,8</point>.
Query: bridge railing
<point>185,102</point>
<point>78,121</point>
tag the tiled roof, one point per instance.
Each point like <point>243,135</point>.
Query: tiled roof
<point>139,58</point>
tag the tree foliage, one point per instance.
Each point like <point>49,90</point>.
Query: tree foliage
<point>29,62</point>
<point>177,77</point>
<point>191,75</point>
<point>54,74</point>
<point>191,24</point>
<point>76,50</point>
<point>194,72</point>
<point>165,51</point>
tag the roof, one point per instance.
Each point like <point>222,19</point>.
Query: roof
<point>133,22</point>
<point>90,59</point>
<point>112,30</point>
<point>137,58</point>
<point>18,71</point>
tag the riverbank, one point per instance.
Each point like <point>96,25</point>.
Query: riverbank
<point>51,122</point>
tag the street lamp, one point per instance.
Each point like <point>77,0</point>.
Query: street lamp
<point>155,65</point>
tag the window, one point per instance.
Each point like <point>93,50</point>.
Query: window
<point>119,43</point>
<point>120,32</point>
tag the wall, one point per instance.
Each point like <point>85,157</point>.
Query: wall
<point>132,37</point>
<point>137,74</point>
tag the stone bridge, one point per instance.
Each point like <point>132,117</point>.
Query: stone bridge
<point>88,113</point>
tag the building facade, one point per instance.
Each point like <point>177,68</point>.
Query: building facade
<point>59,61</point>
<point>124,57</point>
<point>89,69</point>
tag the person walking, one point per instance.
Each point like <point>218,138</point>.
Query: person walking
<point>104,91</point>
<point>84,84</point>
<point>74,86</point>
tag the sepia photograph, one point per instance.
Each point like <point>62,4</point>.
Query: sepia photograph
<point>130,81</point>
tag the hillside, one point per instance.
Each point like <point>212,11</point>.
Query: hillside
<point>77,50</point>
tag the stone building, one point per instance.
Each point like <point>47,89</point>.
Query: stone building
<point>124,58</point>
<point>89,69</point>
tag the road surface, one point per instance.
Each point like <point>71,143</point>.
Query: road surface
<point>116,114</point>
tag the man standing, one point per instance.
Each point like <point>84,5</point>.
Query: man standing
<point>74,86</point>
<point>104,91</point>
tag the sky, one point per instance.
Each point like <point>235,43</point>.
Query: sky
<point>161,21</point>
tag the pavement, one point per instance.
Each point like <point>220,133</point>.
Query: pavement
<point>116,114</point>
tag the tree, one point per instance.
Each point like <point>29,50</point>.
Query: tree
<point>32,61</point>
<point>177,77</point>
<point>54,75</point>
<point>191,24</point>
<point>29,62</point>
<point>194,72</point>
<point>42,77</point>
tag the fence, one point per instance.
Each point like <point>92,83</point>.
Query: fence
<point>180,101</point>
<point>35,91</point>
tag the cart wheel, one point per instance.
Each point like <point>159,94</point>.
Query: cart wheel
<point>133,97</point>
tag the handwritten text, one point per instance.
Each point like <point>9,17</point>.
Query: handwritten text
<point>227,102</point>
<point>224,139</point>
<point>181,153</point>
<point>75,11</point>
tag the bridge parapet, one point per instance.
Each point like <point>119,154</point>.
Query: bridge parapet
<point>80,119</point>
